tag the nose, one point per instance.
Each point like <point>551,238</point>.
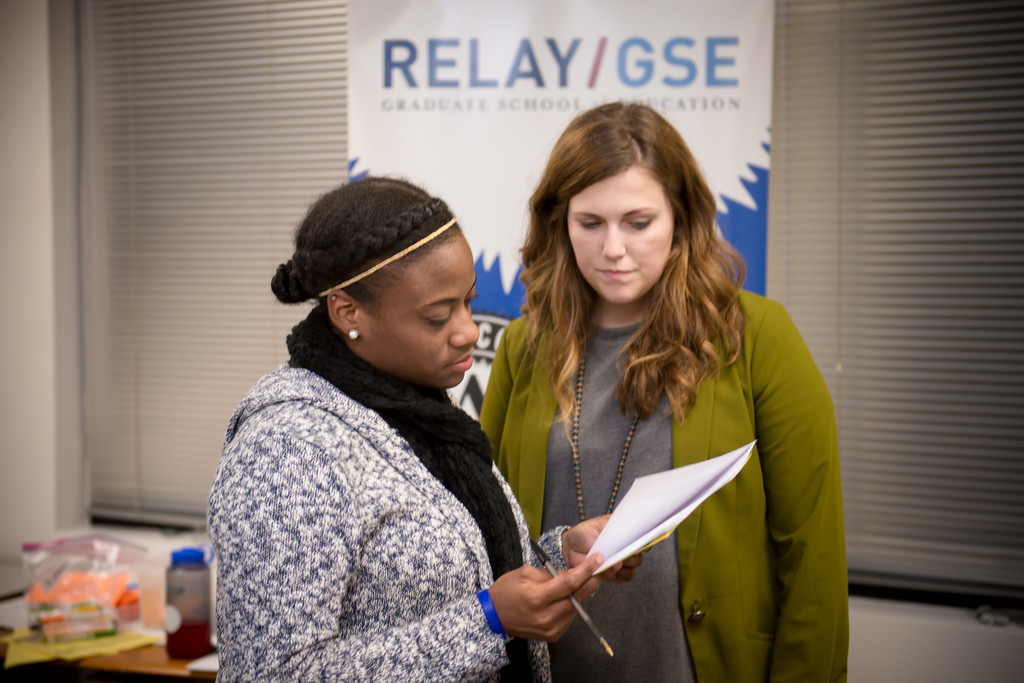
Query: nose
<point>614,243</point>
<point>465,333</point>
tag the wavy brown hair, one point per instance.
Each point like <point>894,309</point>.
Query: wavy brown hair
<point>692,318</point>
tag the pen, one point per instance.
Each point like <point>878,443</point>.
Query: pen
<point>572,598</point>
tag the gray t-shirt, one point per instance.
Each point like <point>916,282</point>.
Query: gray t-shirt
<point>641,619</point>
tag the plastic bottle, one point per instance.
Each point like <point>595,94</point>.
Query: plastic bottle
<point>187,616</point>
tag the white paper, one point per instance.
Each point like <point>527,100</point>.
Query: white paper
<point>205,663</point>
<point>657,503</point>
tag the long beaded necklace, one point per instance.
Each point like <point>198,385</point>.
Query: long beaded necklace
<point>575,441</point>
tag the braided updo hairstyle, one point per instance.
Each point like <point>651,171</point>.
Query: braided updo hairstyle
<point>355,226</point>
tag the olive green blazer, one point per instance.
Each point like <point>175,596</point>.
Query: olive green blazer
<point>762,562</point>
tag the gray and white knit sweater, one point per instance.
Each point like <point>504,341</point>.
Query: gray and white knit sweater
<point>339,556</point>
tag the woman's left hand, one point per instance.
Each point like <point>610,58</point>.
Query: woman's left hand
<point>577,541</point>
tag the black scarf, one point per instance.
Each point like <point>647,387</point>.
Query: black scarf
<point>447,441</point>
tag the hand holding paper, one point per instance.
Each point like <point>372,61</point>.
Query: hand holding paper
<point>657,503</point>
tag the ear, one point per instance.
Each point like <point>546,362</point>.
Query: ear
<point>343,311</point>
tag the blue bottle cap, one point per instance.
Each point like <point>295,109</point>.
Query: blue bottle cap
<point>189,556</point>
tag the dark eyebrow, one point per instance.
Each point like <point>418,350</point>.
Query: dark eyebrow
<point>587,214</point>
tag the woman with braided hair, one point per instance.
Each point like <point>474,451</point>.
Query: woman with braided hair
<point>361,529</point>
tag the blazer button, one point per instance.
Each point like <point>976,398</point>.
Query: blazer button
<point>696,616</point>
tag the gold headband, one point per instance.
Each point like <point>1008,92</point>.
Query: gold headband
<point>391,259</point>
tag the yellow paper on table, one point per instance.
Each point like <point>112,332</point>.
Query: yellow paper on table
<point>23,647</point>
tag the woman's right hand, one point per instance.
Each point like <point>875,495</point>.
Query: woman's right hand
<point>532,604</point>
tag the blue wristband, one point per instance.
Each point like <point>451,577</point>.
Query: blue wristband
<point>492,616</point>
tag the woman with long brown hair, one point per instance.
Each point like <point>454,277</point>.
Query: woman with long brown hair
<point>639,352</point>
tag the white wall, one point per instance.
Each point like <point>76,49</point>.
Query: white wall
<point>40,452</point>
<point>41,477</point>
<point>896,642</point>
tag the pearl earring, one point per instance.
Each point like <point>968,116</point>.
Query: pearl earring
<point>353,334</point>
<point>334,297</point>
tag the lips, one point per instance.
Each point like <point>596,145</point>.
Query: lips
<point>463,364</point>
<point>615,274</point>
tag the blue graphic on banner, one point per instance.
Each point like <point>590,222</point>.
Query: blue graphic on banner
<point>358,174</point>
<point>747,229</point>
<point>491,296</point>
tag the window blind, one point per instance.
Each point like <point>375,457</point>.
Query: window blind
<point>897,221</point>
<point>207,129</point>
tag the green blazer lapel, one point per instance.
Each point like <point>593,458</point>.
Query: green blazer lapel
<point>691,442</point>
<point>537,425</point>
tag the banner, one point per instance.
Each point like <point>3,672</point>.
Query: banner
<point>467,97</point>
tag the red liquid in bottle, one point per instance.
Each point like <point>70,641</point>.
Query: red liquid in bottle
<point>191,640</point>
<point>188,613</point>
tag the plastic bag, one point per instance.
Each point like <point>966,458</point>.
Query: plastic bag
<point>76,584</point>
